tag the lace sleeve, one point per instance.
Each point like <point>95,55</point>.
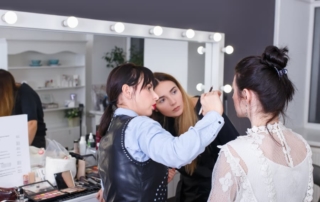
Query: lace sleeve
<point>224,182</point>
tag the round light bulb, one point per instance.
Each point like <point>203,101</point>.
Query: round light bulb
<point>189,33</point>
<point>201,50</point>
<point>157,30</point>
<point>229,49</point>
<point>200,87</point>
<point>217,37</point>
<point>71,22</point>
<point>118,27</point>
<point>10,17</point>
<point>227,88</point>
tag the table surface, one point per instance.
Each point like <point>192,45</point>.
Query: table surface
<point>87,198</point>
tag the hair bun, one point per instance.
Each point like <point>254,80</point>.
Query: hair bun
<point>275,57</point>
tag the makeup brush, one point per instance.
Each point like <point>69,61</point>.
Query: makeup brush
<point>200,111</point>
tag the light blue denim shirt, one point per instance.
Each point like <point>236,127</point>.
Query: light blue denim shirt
<point>145,138</point>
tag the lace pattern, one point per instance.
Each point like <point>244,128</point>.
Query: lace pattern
<point>256,140</point>
<point>247,193</point>
<point>226,182</point>
<point>276,128</point>
<point>309,195</point>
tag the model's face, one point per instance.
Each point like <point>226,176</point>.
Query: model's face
<point>170,102</point>
<point>145,99</point>
<point>238,102</point>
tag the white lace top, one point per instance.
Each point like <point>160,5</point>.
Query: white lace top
<point>255,167</point>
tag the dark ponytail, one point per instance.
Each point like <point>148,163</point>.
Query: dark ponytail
<point>129,74</point>
<point>106,119</point>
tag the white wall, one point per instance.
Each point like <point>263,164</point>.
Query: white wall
<point>291,30</point>
<point>97,73</point>
<point>196,68</point>
<point>102,45</point>
<point>167,56</point>
<point>3,54</point>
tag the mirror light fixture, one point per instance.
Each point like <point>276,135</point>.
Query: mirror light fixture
<point>71,22</point>
<point>157,31</point>
<point>216,37</point>
<point>189,33</point>
<point>228,49</point>
<point>226,88</point>
<point>118,27</point>
<point>200,87</point>
<point>10,17</point>
<point>201,50</point>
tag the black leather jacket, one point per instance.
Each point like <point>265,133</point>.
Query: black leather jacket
<point>125,179</point>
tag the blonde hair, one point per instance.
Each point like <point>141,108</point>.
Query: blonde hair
<point>7,91</point>
<point>185,120</point>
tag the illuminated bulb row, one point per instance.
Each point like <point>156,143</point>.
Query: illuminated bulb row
<point>190,34</point>
<point>11,17</point>
<point>226,88</point>
<point>228,49</point>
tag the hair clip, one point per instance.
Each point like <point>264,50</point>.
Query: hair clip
<point>281,72</point>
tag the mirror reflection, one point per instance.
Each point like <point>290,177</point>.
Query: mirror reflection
<point>66,69</point>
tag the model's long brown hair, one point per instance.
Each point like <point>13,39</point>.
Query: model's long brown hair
<point>7,93</point>
<point>185,120</point>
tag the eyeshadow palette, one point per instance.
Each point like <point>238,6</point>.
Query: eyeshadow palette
<point>42,192</point>
<point>47,195</point>
<point>65,182</point>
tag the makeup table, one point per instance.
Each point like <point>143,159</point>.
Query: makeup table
<point>86,198</point>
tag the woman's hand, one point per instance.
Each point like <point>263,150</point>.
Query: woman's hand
<point>211,101</point>
<point>171,174</point>
<point>99,196</point>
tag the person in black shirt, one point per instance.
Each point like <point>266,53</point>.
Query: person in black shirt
<point>18,99</point>
<point>177,112</point>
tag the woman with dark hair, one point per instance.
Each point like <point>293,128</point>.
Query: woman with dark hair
<point>18,99</point>
<point>177,112</point>
<point>270,163</point>
<point>135,150</point>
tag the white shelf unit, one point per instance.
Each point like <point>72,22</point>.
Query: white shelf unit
<point>70,50</point>
<point>58,88</point>
<point>45,67</point>
<point>58,109</point>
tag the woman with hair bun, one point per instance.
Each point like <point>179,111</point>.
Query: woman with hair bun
<point>270,163</point>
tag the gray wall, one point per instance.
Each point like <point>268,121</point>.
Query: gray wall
<point>248,24</point>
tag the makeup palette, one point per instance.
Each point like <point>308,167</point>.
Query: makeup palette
<point>42,192</point>
<point>65,182</point>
